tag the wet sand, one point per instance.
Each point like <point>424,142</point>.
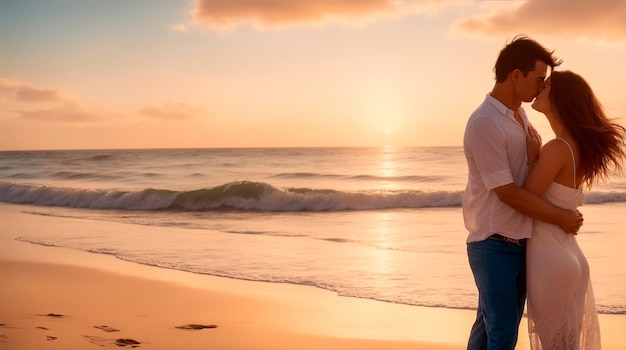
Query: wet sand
<point>58,298</point>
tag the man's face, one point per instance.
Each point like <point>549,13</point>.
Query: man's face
<point>542,101</point>
<point>529,86</point>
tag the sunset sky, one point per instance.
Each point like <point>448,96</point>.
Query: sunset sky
<point>85,74</point>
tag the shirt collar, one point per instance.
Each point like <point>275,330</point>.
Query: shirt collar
<point>504,110</point>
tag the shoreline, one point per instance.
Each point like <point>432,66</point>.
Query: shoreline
<point>172,316</point>
<point>61,305</point>
<point>146,304</point>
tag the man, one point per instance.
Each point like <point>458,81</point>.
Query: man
<point>497,210</point>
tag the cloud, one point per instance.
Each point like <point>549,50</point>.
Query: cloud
<point>67,112</point>
<point>596,20</point>
<point>32,94</point>
<point>23,100</point>
<point>172,111</point>
<point>220,14</point>
<point>16,90</point>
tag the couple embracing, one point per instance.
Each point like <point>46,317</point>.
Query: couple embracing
<point>520,204</point>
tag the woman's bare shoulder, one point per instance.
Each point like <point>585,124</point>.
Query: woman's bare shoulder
<point>556,146</point>
<point>555,153</point>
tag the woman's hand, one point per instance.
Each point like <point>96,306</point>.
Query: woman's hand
<point>533,146</point>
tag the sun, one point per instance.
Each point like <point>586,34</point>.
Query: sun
<point>387,130</point>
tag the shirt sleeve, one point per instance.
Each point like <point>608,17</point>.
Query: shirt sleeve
<point>489,149</point>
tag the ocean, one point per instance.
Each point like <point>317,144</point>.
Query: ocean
<point>381,223</point>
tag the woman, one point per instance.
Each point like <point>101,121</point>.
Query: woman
<point>588,147</point>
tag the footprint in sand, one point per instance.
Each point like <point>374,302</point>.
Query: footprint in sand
<point>124,342</point>
<point>49,337</point>
<point>107,329</point>
<point>119,342</point>
<point>195,326</point>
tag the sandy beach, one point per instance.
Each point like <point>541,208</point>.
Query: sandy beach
<point>48,302</point>
<point>62,306</point>
<point>58,298</point>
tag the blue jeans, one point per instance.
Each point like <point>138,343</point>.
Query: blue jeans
<point>499,270</point>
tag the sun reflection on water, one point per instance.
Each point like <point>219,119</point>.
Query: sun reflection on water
<point>388,167</point>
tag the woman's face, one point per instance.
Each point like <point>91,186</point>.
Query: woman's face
<point>542,101</point>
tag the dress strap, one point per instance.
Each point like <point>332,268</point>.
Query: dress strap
<point>573,159</point>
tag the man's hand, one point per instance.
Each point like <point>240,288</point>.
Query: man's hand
<point>571,221</point>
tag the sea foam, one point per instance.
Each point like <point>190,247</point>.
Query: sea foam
<point>244,195</point>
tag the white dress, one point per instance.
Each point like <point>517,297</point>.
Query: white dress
<point>561,307</point>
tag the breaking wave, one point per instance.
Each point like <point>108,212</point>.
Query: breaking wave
<point>245,195</point>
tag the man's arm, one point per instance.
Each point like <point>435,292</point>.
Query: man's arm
<point>534,206</point>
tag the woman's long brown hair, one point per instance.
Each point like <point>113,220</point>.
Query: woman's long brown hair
<point>600,140</point>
